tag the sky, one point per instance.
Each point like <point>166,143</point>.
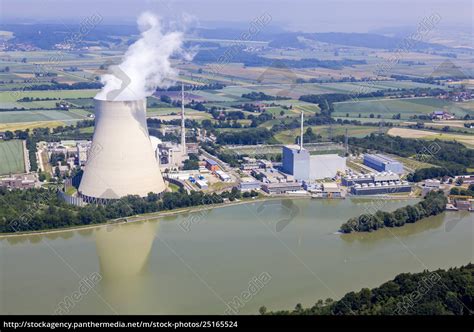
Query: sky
<point>300,15</point>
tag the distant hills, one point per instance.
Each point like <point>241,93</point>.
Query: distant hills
<point>45,36</point>
<point>368,40</point>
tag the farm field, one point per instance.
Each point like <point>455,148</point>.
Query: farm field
<point>405,107</point>
<point>43,115</point>
<point>412,164</point>
<point>8,99</point>
<point>30,125</point>
<point>11,157</point>
<point>288,136</point>
<point>467,140</point>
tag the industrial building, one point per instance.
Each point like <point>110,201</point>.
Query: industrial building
<point>381,188</point>
<point>352,180</point>
<point>223,176</point>
<point>202,184</point>
<point>249,183</point>
<point>82,150</point>
<point>281,188</point>
<point>325,166</point>
<point>375,183</point>
<point>212,165</point>
<point>383,163</point>
<point>296,161</point>
<point>121,161</point>
<point>25,181</point>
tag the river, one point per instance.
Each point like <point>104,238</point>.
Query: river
<point>225,260</point>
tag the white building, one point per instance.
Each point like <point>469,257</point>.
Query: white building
<point>223,176</point>
<point>326,166</point>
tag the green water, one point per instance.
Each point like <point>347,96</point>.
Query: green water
<point>275,253</point>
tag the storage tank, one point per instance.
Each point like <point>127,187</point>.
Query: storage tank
<point>121,160</point>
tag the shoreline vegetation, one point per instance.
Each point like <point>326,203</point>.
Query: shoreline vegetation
<point>138,218</point>
<point>433,204</point>
<point>439,292</point>
<point>40,209</point>
<point>166,213</point>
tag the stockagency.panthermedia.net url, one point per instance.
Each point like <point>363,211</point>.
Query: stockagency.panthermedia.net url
<point>120,324</point>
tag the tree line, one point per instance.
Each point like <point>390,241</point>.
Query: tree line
<point>440,292</point>
<point>40,208</point>
<point>433,204</point>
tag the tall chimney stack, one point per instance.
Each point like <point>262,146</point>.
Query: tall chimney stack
<point>301,135</point>
<point>183,129</point>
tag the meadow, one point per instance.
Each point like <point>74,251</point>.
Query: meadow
<point>11,157</point>
<point>407,108</point>
<point>467,140</point>
<point>288,136</point>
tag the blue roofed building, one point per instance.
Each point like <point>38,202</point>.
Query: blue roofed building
<point>383,163</point>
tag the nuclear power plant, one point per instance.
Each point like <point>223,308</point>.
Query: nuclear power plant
<point>121,160</point>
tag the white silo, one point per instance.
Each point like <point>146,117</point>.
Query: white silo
<point>121,160</point>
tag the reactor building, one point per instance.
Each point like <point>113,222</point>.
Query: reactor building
<point>297,161</point>
<point>121,160</point>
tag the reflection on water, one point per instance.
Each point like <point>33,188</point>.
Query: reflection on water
<point>199,269</point>
<point>123,251</point>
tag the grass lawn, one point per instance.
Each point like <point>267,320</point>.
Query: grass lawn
<point>173,187</point>
<point>288,136</point>
<point>11,157</point>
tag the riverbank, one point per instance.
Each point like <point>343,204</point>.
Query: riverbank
<point>160,214</point>
<point>148,216</point>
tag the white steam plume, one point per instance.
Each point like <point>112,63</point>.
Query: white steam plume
<point>146,63</point>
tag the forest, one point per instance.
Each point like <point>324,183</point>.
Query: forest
<point>433,204</point>
<point>440,292</point>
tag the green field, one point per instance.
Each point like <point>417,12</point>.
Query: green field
<point>44,115</point>
<point>11,157</point>
<point>9,99</point>
<point>405,107</point>
<point>288,136</point>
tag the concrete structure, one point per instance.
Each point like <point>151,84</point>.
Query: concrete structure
<point>326,166</point>
<point>270,175</point>
<point>463,204</point>
<point>82,150</point>
<point>296,161</point>
<point>351,180</point>
<point>223,176</point>
<point>192,148</point>
<point>466,179</point>
<point>381,188</point>
<point>170,155</point>
<point>202,184</point>
<point>281,188</point>
<point>121,160</point>
<point>383,163</point>
<point>331,190</point>
<point>249,183</point>
<point>20,181</point>
<point>432,183</point>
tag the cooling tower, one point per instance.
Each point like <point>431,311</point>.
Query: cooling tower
<point>121,160</point>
